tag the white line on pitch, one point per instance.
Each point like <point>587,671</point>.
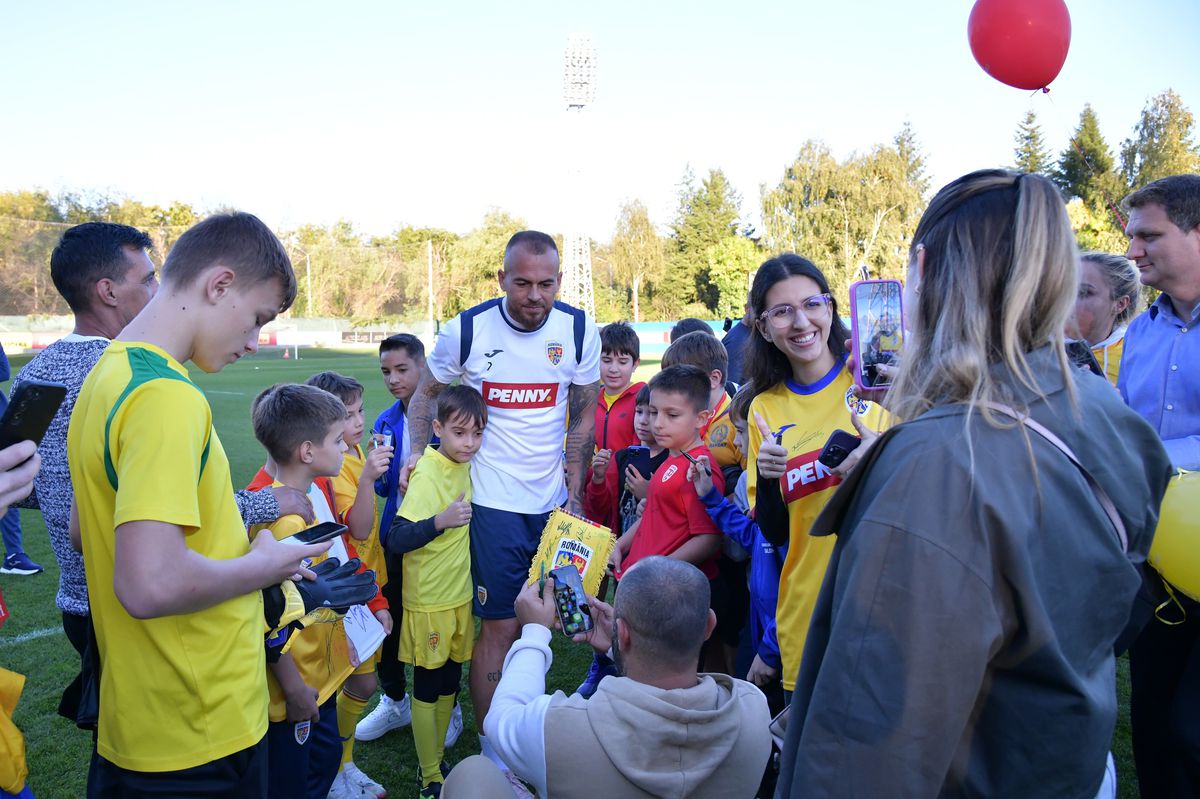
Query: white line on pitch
<point>32,635</point>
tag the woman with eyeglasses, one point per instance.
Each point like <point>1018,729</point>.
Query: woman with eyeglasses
<point>987,547</point>
<point>796,360</point>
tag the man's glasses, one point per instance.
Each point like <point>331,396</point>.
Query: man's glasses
<point>815,308</point>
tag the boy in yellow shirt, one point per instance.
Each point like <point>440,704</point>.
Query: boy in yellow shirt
<point>354,506</point>
<point>302,429</point>
<point>174,586</point>
<point>437,631</point>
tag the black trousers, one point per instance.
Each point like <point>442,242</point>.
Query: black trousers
<point>241,775</point>
<point>390,669</point>
<point>1164,665</point>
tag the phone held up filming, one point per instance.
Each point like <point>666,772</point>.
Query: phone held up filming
<point>877,333</point>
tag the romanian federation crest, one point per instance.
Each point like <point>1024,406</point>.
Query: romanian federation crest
<point>302,731</point>
<point>856,404</point>
<point>435,640</point>
<point>554,352</point>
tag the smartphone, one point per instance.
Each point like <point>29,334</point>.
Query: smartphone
<point>838,448</point>
<point>573,612</point>
<point>876,330</point>
<point>30,411</point>
<point>1081,355</point>
<point>639,458</point>
<point>316,534</point>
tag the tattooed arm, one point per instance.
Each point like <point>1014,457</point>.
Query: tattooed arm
<point>422,410</point>
<point>581,440</point>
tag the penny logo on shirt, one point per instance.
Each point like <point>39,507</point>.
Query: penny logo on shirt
<point>554,352</point>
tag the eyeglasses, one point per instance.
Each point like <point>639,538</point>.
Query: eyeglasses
<point>815,308</point>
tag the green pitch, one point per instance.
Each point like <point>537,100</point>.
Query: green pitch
<point>32,642</point>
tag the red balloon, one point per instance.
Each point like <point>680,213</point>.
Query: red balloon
<point>1022,43</point>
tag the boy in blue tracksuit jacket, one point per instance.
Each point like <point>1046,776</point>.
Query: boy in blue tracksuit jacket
<point>401,360</point>
<point>766,560</point>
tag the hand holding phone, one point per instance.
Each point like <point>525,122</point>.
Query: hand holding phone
<point>570,601</point>
<point>325,531</point>
<point>30,411</point>
<point>876,331</point>
<point>838,448</point>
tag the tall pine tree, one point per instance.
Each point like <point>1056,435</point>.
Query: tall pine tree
<point>1085,167</point>
<point>1031,153</point>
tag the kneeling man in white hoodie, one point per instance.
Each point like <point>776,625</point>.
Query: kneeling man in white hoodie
<point>660,729</point>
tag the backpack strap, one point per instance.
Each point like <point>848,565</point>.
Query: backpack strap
<point>1110,508</point>
<point>466,331</point>
<point>580,327</point>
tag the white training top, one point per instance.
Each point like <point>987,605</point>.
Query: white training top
<point>524,377</point>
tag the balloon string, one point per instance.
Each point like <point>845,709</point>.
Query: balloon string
<point>1112,206</point>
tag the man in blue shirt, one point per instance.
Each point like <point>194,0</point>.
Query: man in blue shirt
<point>1160,380</point>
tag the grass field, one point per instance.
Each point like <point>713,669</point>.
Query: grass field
<point>32,642</point>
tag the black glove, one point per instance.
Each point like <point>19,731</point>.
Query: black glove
<point>335,590</point>
<point>337,586</point>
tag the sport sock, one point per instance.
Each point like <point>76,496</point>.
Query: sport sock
<point>429,744</point>
<point>349,711</point>
<point>445,709</point>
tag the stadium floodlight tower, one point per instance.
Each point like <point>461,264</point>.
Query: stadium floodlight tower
<point>579,89</point>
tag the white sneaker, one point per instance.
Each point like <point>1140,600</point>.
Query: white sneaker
<point>456,727</point>
<point>355,776</point>
<point>342,788</point>
<point>388,715</point>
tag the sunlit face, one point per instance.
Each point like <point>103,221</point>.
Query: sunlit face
<point>641,425</point>
<point>616,371</point>
<point>1167,258</point>
<point>675,423</point>
<point>355,424</point>
<point>1095,309</point>
<point>400,373</point>
<point>530,283</point>
<point>137,286</point>
<point>326,455</point>
<point>805,342</point>
<point>238,319</point>
<point>460,436</point>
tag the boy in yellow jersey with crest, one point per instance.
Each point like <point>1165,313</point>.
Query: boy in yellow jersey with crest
<point>354,506</point>
<point>437,632</point>
<point>302,429</point>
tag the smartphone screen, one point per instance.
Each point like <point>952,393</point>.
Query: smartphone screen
<point>30,411</point>
<point>316,534</point>
<point>570,601</point>
<point>877,328</point>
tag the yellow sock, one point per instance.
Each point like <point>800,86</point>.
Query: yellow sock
<point>429,743</point>
<point>445,708</point>
<point>349,711</point>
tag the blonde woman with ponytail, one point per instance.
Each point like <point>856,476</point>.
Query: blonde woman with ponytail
<point>1110,294</point>
<point>962,642</point>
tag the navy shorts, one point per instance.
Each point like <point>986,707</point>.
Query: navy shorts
<point>503,544</point>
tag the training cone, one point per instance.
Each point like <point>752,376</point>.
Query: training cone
<point>1175,553</point>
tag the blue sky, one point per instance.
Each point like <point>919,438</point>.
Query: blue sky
<point>390,113</point>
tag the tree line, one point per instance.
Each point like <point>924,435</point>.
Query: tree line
<point>850,216</point>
